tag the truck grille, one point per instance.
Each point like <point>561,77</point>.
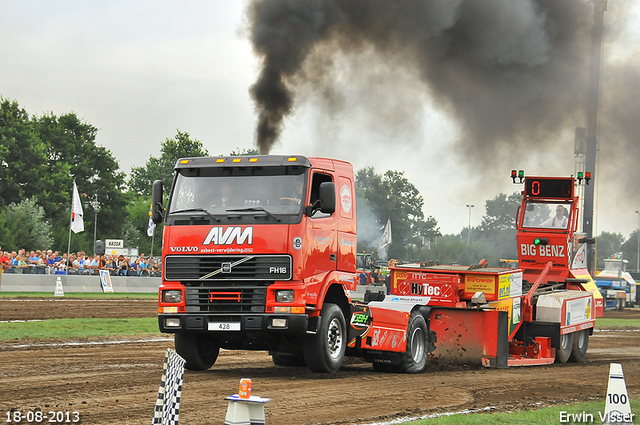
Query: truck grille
<point>227,267</point>
<point>236,299</point>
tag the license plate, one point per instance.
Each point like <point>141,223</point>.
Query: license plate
<point>224,326</point>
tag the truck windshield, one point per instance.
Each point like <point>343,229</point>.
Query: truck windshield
<point>243,192</point>
<point>550,215</point>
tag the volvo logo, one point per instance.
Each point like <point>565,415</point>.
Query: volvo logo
<point>226,267</point>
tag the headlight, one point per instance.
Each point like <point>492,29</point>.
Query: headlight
<point>284,295</point>
<point>172,297</point>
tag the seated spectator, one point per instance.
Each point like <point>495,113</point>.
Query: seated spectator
<point>5,261</point>
<point>61,264</point>
<point>93,265</point>
<point>79,263</point>
<point>33,261</point>
<point>111,265</point>
<point>22,265</point>
<point>123,266</point>
<point>42,262</point>
<point>71,268</point>
<point>51,263</point>
<point>144,266</point>
<point>133,268</point>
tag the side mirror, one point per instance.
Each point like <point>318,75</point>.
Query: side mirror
<point>157,208</point>
<point>327,197</point>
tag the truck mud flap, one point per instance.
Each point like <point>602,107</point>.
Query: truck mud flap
<point>471,336</point>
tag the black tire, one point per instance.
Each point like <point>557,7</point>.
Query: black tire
<point>415,358</point>
<point>324,351</point>
<point>287,359</point>
<point>199,351</point>
<point>563,351</point>
<point>580,345</point>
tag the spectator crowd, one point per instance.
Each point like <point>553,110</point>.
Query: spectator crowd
<point>50,262</point>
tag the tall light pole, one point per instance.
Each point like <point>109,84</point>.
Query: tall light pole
<point>469,233</point>
<point>638,236</point>
<point>600,6</point>
<point>96,210</point>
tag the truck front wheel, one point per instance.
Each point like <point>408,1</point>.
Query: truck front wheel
<point>563,351</point>
<point>580,345</point>
<point>324,351</point>
<point>200,351</point>
<point>415,358</point>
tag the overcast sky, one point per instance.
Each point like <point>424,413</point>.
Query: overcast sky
<point>139,71</point>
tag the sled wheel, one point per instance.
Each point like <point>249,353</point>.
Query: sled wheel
<point>580,345</point>
<point>324,351</point>
<point>563,351</point>
<point>415,358</point>
<point>199,351</point>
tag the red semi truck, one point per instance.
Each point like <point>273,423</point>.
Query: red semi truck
<point>259,253</point>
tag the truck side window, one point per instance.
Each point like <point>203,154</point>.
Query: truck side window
<point>315,192</point>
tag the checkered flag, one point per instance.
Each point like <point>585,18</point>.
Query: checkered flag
<point>167,411</point>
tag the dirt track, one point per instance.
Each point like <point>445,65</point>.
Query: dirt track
<point>111,382</point>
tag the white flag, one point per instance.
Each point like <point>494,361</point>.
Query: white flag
<point>386,236</point>
<point>77,223</point>
<point>150,228</point>
<point>151,225</point>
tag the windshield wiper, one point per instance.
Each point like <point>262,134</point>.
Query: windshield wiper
<point>269,214</point>
<point>197,210</point>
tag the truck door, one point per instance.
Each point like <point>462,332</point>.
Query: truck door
<point>321,233</point>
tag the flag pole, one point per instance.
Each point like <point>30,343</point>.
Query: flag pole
<point>70,223</point>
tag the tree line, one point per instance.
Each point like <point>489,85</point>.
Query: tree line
<point>40,156</point>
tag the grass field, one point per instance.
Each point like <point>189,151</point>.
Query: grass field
<point>78,328</point>
<point>580,413</point>
<point>92,295</point>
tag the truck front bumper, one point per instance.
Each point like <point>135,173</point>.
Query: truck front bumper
<point>290,324</point>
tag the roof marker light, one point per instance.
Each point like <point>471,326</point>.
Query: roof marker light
<point>184,161</point>
<point>253,159</point>
<point>236,159</point>
<point>293,159</point>
<point>219,160</point>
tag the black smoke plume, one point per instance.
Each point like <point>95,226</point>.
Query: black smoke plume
<point>512,73</point>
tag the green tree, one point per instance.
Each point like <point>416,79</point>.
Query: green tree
<point>40,157</point>
<point>495,237</point>
<point>630,251</point>
<point>244,152</point>
<point>392,196</point>
<point>161,168</point>
<point>73,154</point>
<point>607,245</point>
<point>500,214</point>
<point>23,155</point>
<point>136,231</point>
<point>23,225</point>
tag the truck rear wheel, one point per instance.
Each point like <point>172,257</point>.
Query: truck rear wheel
<point>580,345</point>
<point>563,351</point>
<point>324,351</point>
<point>199,351</point>
<point>415,358</point>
